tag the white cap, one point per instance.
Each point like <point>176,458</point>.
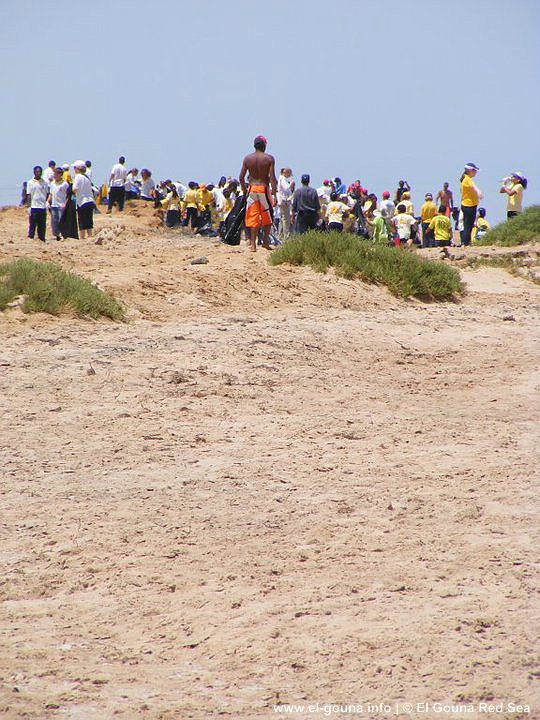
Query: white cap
<point>79,163</point>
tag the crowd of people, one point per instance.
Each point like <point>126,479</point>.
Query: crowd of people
<point>267,208</point>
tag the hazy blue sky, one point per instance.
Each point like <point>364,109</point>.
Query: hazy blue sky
<point>372,90</point>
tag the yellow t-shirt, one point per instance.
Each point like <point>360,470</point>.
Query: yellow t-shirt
<point>469,196</point>
<point>205,197</point>
<point>226,207</point>
<point>442,228</point>
<point>191,198</point>
<point>172,203</point>
<point>409,208</point>
<point>515,200</point>
<point>428,211</point>
<point>482,224</point>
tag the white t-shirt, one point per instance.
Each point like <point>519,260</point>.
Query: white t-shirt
<point>218,197</point>
<point>82,187</point>
<point>130,183</point>
<point>48,175</point>
<point>59,193</point>
<point>335,211</point>
<point>180,188</point>
<point>324,193</point>
<point>38,191</point>
<point>284,188</point>
<point>146,187</point>
<point>387,208</point>
<point>404,222</point>
<point>118,175</point>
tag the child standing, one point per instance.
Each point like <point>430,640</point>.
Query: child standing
<point>441,227</point>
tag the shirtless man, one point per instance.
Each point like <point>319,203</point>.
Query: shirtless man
<point>262,176</point>
<point>445,197</point>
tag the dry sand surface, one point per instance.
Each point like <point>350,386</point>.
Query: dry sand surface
<point>268,486</point>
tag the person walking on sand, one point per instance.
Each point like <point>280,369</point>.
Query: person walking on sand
<point>117,181</point>
<point>37,190</point>
<point>441,228</point>
<point>84,196</point>
<point>262,176</point>
<point>470,196</point>
<point>58,197</point>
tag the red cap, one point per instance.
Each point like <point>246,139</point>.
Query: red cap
<point>260,138</point>
<point>386,194</point>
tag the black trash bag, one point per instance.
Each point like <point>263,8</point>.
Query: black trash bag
<point>68,221</point>
<point>231,229</point>
<point>361,224</point>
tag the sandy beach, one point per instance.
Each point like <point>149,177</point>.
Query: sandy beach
<point>268,486</point>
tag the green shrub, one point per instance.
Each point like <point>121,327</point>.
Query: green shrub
<point>7,295</point>
<point>523,228</point>
<point>47,288</point>
<point>404,273</point>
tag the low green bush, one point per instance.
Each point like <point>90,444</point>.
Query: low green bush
<point>47,288</point>
<point>404,273</point>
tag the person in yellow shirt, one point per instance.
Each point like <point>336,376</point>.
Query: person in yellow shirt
<point>441,227</point>
<point>481,225</point>
<point>470,196</point>
<point>205,196</point>
<point>427,213</point>
<point>406,200</point>
<point>225,207</point>
<point>206,201</point>
<point>66,176</point>
<point>514,189</point>
<point>173,205</point>
<point>192,206</point>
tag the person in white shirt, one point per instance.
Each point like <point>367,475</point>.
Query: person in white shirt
<point>131,187</point>
<point>117,180</point>
<point>48,173</point>
<point>285,190</point>
<point>324,192</point>
<point>147,185</point>
<point>405,224</point>
<point>217,192</point>
<point>387,207</point>
<point>37,190</point>
<point>58,195</point>
<point>180,188</point>
<point>82,187</point>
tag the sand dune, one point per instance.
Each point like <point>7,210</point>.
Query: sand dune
<point>269,486</point>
